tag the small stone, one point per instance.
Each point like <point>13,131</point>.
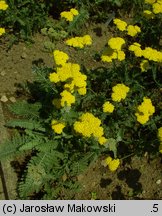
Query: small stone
<point>4,99</point>
<point>24,55</point>
<point>158,181</point>
<point>12,99</point>
<point>3,73</point>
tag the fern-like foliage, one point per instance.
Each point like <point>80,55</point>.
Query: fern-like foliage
<point>25,109</point>
<point>11,147</point>
<point>39,173</point>
<point>26,124</point>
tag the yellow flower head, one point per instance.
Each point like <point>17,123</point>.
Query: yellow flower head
<point>57,126</point>
<point>79,42</point>
<point>113,164</point>
<point>119,92</point>
<point>157,7</point>
<point>89,125</point>
<point>133,30</point>
<point>3,5</point>
<point>116,43</point>
<point>69,15</point>
<point>136,48</point>
<point>67,98</point>
<point>60,57</point>
<point>120,55</point>
<point>108,107</point>
<point>2,31</point>
<point>53,77</point>
<point>145,110</point>
<point>74,11</point>
<point>82,91</point>
<point>102,140</point>
<point>121,25</point>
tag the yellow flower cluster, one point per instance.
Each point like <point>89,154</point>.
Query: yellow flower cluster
<point>113,164</point>
<point>119,92</point>
<point>69,73</point>
<point>114,50</point>
<point>152,54</point>
<point>57,126</point>
<point>60,57</point>
<point>148,53</point>
<point>133,30</point>
<point>2,31</point>
<point>145,110</point>
<point>108,107</point>
<point>3,5</point>
<point>156,5</point>
<point>79,42</point>
<point>136,48</point>
<point>160,138</point>
<point>123,26</point>
<point>89,125</point>
<point>69,15</point>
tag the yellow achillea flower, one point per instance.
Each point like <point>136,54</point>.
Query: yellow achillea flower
<point>79,42</point>
<point>136,48</point>
<point>121,25</point>
<point>144,65</point>
<point>148,14</point>
<point>3,5</point>
<point>119,92</point>
<point>57,126</point>
<point>60,57</point>
<point>67,98</point>
<point>157,7</point>
<point>89,125</point>
<point>102,140</point>
<point>74,11</point>
<point>108,107</point>
<point>116,43</point>
<point>152,54</point>
<point>120,55</point>
<point>133,30</point>
<point>53,77</point>
<point>113,164</point>
<point>69,15</point>
<point>82,91</point>
<point>2,31</point>
<point>145,110</point>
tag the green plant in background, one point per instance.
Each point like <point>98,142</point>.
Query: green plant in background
<point>24,18</point>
